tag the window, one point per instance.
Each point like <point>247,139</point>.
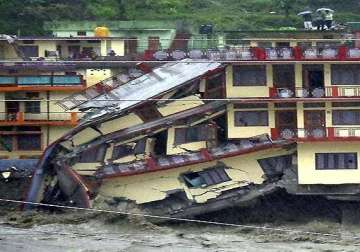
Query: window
<point>29,142</point>
<point>251,118</point>
<point>346,117</point>
<point>193,134</point>
<point>30,51</point>
<point>348,74</point>
<point>331,161</point>
<point>81,33</point>
<point>93,155</point>
<point>249,75</point>
<point>250,105</point>
<point>6,142</point>
<point>126,150</point>
<point>32,107</point>
<point>206,177</point>
<point>346,104</point>
<point>284,76</point>
<point>215,86</point>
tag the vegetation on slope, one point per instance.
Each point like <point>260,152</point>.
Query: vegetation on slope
<point>27,16</point>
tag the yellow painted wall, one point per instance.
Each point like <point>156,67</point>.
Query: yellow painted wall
<point>248,91</point>
<point>180,105</point>
<point>251,131</point>
<point>153,186</point>
<point>120,123</point>
<point>94,76</point>
<point>306,164</point>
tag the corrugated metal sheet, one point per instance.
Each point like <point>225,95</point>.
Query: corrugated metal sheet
<point>150,85</point>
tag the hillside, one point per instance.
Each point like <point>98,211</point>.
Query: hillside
<point>27,16</point>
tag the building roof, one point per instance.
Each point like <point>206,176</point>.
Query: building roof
<point>150,85</point>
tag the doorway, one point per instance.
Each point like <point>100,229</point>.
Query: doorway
<point>286,123</point>
<point>12,108</point>
<point>315,123</point>
<point>313,80</point>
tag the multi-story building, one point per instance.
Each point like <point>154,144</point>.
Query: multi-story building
<point>220,129</point>
<point>36,73</point>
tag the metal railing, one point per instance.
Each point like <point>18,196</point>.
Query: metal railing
<point>299,92</point>
<point>316,133</point>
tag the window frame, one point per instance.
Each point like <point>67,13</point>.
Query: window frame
<point>237,71</point>
<point>335,158</point>
<point>237,117</point>
<point>339,119</point>
<point>208,177</point>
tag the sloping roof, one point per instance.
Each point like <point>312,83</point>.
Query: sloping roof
<point>160,80</point>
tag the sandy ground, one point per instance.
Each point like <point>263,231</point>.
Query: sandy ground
<point>109,235</point>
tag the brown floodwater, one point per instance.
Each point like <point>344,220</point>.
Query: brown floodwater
<point>53,232</point>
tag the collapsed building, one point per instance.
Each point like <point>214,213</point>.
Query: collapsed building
<point>218,129</point>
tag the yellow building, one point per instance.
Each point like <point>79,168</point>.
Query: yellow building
<point>196,135</point>
<point>38,72</point>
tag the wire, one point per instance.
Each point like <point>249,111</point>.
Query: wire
<point>168,218</point>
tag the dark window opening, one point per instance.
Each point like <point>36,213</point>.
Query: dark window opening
<point>346,117</point>
<point>346,104</point>
<point>206,177</point>
<point>332,161</point>
<point>215,86</point>
<point>93,155</point>
<point>32,107</point>
<point>250,105</point>
<point>160,143</point>
<point>348,74</point>
<point>30,51</point>
<point>251,118</point>
<point>284,76</point>
<point>192,134</point>
<point>254,75</point>
<point>313,77</point>
<point>29,142</point>
<point>81,33</point>
<point>121,151</point>
<point>148,113</point>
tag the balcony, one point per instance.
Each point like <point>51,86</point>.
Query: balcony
<point>317,134</point>
<point>340,53</point>
<point>42,83</point>
<point>51,119</point>
<point>327,92</point>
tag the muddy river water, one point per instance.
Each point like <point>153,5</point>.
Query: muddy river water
<point>35,234</point>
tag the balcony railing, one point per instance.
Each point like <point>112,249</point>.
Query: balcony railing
<point>334,91</point>
<point>54,81</point>
<point>314,134</point>
<point>296,53</point>
<point>51,118</point>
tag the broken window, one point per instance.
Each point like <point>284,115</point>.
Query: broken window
<point>249,75</point>
<point>192,134</point>
<point>93,155</point>
<point>346,117</point>
<point>121,151</point>
<point>206,177</point>
<point>331,161</point>
<point>251,118</point>
<point>348,74</point>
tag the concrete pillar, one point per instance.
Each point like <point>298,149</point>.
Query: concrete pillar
<point>103,47</point>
